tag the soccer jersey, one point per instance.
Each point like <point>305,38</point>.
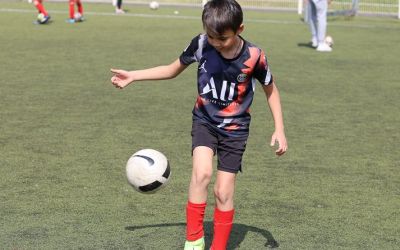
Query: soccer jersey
<point>226,86</point>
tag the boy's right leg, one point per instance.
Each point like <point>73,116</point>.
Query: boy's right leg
<point>201,174</point>
<point>71,9</point>
<point>195,209</point>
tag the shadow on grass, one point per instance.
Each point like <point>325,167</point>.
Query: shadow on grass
<point>306,45</point>
<point>238,233</point>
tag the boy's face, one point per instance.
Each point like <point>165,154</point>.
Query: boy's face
<point>225,42</point>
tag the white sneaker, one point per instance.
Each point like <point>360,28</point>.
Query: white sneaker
<point>314,42</point>
<point>119,11</point>
<point>323,47</point>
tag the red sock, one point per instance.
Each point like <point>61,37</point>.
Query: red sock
<point>223,221</point>
<point>71,9</point>
<point>194,220</point>
<point>39,6</point>
<point>80,7</point>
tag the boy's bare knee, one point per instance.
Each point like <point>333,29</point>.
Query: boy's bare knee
<point>222,196</point>
<point>202,178</point>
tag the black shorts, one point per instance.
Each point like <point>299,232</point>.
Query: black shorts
<point>229,150</point>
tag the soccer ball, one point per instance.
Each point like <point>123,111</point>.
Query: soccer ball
<point>77,16</point>
<point>148,170</point>
<point>329,41</point>
<point>41,17</point>
<point>154,5</point>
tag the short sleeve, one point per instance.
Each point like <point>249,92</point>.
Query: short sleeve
<point>262,71</point>
<point>188,56</point>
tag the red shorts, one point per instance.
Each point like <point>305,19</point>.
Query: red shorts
<point>229,150</point>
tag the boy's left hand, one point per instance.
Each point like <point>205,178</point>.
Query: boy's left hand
<point>280,138</point>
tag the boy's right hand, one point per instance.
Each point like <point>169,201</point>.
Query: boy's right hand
<point>121,78</point>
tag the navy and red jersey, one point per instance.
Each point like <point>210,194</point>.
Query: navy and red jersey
<point>226,86</point>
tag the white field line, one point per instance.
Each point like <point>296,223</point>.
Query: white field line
<point>266,21</point>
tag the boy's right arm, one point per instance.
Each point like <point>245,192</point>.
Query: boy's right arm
<point>122,78</point>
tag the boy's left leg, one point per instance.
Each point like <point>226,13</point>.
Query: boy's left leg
<point>224,211</point>
<point>230,152</point>
<point>80,7</point>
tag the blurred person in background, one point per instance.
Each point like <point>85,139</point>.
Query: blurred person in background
<point>317,20</point>
<point>118,7</point>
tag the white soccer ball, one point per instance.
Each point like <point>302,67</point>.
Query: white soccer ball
<point>148,170</point>
<point>329,41</point>
<point>77,16</point>
<point>154,5</point>
<point>41,17</point>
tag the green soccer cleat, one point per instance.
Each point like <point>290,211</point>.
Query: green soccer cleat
<point>195,245</point>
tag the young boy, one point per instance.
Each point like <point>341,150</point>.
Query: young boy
<point>78,17</point>
<point>227,68</point>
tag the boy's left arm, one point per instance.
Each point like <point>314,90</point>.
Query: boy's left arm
<point>274,102</point>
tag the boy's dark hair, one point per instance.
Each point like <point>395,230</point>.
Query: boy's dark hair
<point>221,15</point>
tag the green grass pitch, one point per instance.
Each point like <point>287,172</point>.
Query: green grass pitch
<point>66,133</point>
